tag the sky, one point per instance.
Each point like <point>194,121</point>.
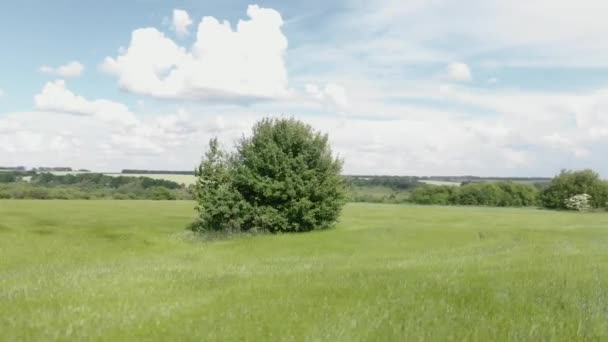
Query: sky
<point>408,87</point>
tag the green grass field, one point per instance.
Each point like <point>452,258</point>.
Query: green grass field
<point>127,270</point>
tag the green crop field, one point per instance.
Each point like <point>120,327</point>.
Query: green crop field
<point>127,270</point>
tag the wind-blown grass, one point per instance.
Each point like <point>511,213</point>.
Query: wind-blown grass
<point>127,270</point>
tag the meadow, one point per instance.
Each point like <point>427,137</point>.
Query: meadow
<point>124,270</point>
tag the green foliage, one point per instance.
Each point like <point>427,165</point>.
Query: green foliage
<point>499,194</point>
<point>99,180</point>
<point>220,207</point>
<point>398,183</point>
<point>281,179</point>
<point>91,186</point>
<point>434,194</point>
<point>376,194</point>
<point>7,177</point>
<point>571,183</point>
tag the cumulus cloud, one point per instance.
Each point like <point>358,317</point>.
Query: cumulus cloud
<point>121,131</point>
<point>459,72</point>
<point>55,97</point>
<point>398,122</point>
<point>181,22</point>
<point>412,140</point>
<point>71,69</point>
<point>224,64</point>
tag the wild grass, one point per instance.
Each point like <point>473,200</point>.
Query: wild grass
<point>127,270</point>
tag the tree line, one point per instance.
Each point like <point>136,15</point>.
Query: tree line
<point>31,185</point>
<point>575,190</point>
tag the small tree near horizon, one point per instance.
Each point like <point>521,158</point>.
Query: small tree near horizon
<point>283,178</point>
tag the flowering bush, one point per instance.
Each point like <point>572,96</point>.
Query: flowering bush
<point>580,202</point>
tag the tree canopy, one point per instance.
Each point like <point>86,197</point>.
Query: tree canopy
<point>571,183</point>
<point>283,178</point>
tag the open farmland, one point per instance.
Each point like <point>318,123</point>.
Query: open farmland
<point>433,182</point>
<point>119,270</point>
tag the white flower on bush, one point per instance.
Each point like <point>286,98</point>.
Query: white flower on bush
<point>580,202</point>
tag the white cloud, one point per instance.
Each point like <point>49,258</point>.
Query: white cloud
<point>408,140</point>
<point>459,72</point>
<point>123,132</point>
<point>397,119</point>
<point>181,21</point>
<point>71,69</point>
<point>56,97</point>
<point>244,64</point>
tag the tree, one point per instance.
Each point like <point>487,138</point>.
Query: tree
<point>219,206</point>
<point>571,183</point>
<point>283,178</point>
<point>434,194</point>
<point>495,194</point>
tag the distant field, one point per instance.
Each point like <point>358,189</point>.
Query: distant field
<point>181,179</point>
<point>127,270</point>
<point>431,182</point>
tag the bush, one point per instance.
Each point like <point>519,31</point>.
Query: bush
<point>220,207</point>
<point>281,179</point>
<point>61,189</point>
<point>579,202</point>
<point>8,177</point>
<point>571,183</point>
<point>496,194</point>
<point>434,194</point>
<point>159,193</point>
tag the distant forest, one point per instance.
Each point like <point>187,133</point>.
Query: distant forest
<point>50,183</point>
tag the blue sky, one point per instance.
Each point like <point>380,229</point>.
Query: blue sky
<point>403,87</point>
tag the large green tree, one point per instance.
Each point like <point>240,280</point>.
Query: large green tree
<point>283,178</point>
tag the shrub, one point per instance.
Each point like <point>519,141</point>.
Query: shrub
<point>496,194</point>
<point>62,189</point>
<point>571,183</point>
<point>159,193</point>
<point>8,177</point>
<point>434,194</point>
<point>281,179</point>
<point>220,207</point>
<point>580,202</point>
